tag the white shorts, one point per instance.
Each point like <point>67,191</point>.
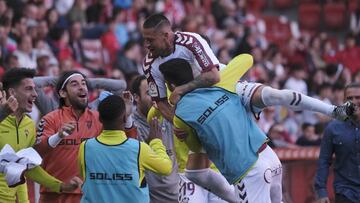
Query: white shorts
<point>189,192</point>
<point>263,182</point>
<point>246,90</point>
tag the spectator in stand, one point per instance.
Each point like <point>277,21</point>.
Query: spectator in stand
<point>129,59</point>
<point>318,77</point>
<point>296,80</point>
<point>356,77</point>
<point>99,11</point>
<point>7,44</point>
<point>279,137</point>
<point>55,20</point>
<point>338,93</point>
<point>336,72</point>
<point>43,31</point>
<point>295,53</point>
<point>258,71</point>
<point>75,42</point>
<point>25,52</point>
<point>30,12</point>
<point>12,61</point>
<point>19,28</point>
<point>63,50</point>
<point>274,63</point>
<point>3,7</point>
<point>308,137</point>
<point>349,57</point>
<point>355,23</point>
<point>341,138</point>
<point>267,119</point>
<point>315,53</point>
<point>77,13</point>
<point>43,64</point>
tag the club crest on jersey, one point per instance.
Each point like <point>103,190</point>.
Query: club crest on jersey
<point>89,124</point>
<point>26,132</point>
<point>153,90</point>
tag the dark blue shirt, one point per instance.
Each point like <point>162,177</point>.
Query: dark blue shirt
<point>343,139</point>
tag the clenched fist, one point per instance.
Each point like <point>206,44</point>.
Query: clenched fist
<point>74,183</point>
<point>67,129</point>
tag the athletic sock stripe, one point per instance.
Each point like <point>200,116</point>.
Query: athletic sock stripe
<point>297,103</point>
<point>294,98</point>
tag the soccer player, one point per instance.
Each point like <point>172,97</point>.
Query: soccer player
<point>189,191</point>
<point>220,120</point>
<point>62,130</point>
<point>18,130</point>
<point>113,165</point>
<point>163,189</point>
<point>163,44</point>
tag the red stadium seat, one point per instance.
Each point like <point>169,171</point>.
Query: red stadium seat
<point>277,30</point>
<point>256,5</point>
<point>282,4</point>
<point>335,15</point>
<point>353,5</point>
<point>309,16</point>
<point>308,1</point>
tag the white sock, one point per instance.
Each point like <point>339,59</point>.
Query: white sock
<point>212,181</point>
<point>294,100</point>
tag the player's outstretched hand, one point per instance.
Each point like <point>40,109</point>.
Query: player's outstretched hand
<point>74,183</point>
<point>155,129</point>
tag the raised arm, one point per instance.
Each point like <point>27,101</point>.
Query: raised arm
<point>111,85</point>
<point>45,103</point>
<point>206,79</point>
<point>7,105</point>
<point>154,157</point>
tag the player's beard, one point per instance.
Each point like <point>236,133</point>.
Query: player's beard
<point>77,104</point>
<point>167,50</point>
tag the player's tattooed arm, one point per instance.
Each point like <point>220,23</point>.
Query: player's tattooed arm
<point>206,79</point>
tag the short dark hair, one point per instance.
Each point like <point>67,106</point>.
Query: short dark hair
<point>135,86</point>
<point>155,20</point>
<point>338,86</point>
<point>177,71</point>
<point>129,45</point>
<point>5,21</point>
<point>350,35</point>
<point>111,108</point>
<point>306,125</point>
<point>60,82</point>
<point>352,85</point>
<point>323,86</point>
<point>13,77</point>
